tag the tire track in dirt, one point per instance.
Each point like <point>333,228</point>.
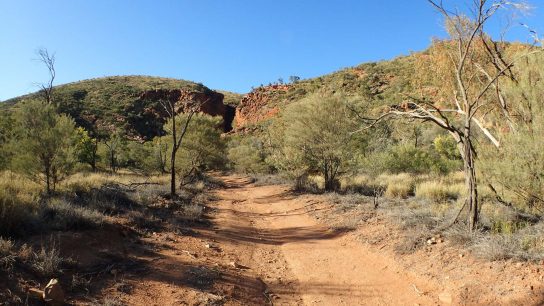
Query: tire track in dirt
<point>302,262</point>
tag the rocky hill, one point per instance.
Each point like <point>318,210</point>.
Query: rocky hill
<point>379,84</point>
<point>131,103</point>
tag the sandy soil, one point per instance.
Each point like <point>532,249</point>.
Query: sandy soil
<point>264,246</point>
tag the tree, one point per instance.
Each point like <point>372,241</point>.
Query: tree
<point>87,148</point>
<point>294,79</point>
<point>177,127</point>
<point>315,138</point>
<point>471,89</point>
<point>114,145</point>
<point>203,147</point>
<point>49,61</point>
<point>43,143</point>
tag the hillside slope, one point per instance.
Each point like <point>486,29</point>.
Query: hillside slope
<point>378,84</point>
<point>123,102</point>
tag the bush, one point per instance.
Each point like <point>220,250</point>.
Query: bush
<point>59,214</point>
<point>248,156</point>
<point>405,158</point>
<point>47,261</point>
<point>312,136</point>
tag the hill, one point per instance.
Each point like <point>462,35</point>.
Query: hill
<point>378,83</point>
<point>118,103</point>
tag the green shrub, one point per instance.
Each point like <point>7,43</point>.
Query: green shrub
<point>247,155</point>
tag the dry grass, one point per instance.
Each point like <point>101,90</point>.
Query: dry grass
<point>269,179</point>
<point>361,184</point>
<point>192,212</point>
<point>18,202</point>
<point>439,191</point>
<point>60,214</point>
<point>85,181</point>
<point>7,257</point>
<point>398,185</point>
<point>47,261</point>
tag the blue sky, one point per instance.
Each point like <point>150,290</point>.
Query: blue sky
<point>225,44</point>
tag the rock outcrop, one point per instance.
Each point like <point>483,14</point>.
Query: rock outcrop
<point>152,115</point>
<point>257,106</point>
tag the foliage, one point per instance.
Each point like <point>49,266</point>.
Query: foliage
<point>446,147</point>
<point>44,143</point>
<point>115,102</point>
<point>6,131</point>
<point>86,148</point>
<point>202,147</point>
<point>404,157</point>
<point>312,141</point>
<point>516,170</point>
<point>113,151</point>
<point>247,154</point>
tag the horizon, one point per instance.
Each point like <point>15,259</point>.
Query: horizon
<point>243,46</point>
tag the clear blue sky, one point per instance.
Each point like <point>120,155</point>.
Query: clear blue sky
<point>225,44</point>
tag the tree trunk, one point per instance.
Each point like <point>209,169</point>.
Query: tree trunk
<point>471,185</point>
<point>48,182</point>
<point>173,174</point>
<point>173,156</point>
<point>112,161</point>
<point>93,159</point>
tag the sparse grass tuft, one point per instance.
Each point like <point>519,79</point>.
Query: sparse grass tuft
<point>192,212</point>
<point>47,261</point>
<point>7,257</point>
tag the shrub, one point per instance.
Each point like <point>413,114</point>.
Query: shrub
<point>361,184</point>
<point>6,254</point>
<point>47,261</point>
<point>193,212</point>
<point>44,144</point>
<point>312,136</point>
<point>248,155</point>
<point>59,214</point>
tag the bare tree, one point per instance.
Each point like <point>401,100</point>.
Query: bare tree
<point>172,106</point>
<point>49,61</point>
<point>476,89</point>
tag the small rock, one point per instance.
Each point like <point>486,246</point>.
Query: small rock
<point>519,265</point>
<point>445,297</point>
<point>461,255</point>
<point>53,294</point>
<point>235,265</point>
<point>36,293</point>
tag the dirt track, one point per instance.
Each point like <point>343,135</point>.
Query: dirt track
<point>302,262</point>
<point>264,246</point>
